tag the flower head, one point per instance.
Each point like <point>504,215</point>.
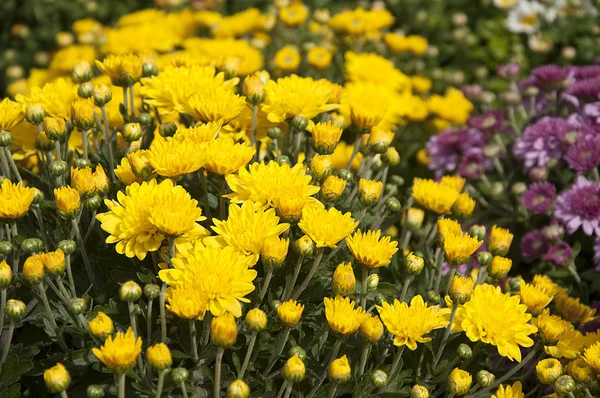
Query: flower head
<point>68,201</point>
<point>547,286</point>
<point>339,370</point>
<point>325,137</point>
<point>372,329</point>
<point>461,289</point>
<point>534,244</point>
<point>514,391</point>
<point>437,197</point>
<point>571,309</point>
<point>290,312</point>
<point>120,353</point>
<point>159,356</point>
<point>369,191</point>
<point>551,328</point>
<point>123,70</point>
<point>275,251</point>
<point>499,267</point>
<point>343,281</point>
<point>341,315</point>
<point>11,114</point>
<point>371,251</point>
<point>591,356</point>
<point>288,58</point>
<point>326,227</point>
<point>226,157</point>
<point>538,197</point>
<point>185,302</point>
<point>223,330</point>
<point>459,248</point>
<point>57,378</point>
<point>54,262</point>
<point>410,324</point>
<point>459,381</point>
<point>101,326</point>
<point>534,298</point>
<point>294,369</point>
<point>497,319</point>
<point>499,241</point>
<point>15,200</point>
<point>213,105</point>
<point>584,155</point>
<point>176,156</point>
<point>579,207</point>
<point>580,371</point>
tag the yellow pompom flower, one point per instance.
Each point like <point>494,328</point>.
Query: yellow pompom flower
<point>213,105</point>
<point>15,200</point>
<point>461,289</point>
<point>379,140</point>
<point>159,356</point>
<point>371,251</point>
<point>33,269</point>
<point>287,58</point>
<point>293,15</point>
<point>326,227</point>
<point>68,201</point>
<point>369,191</point>
<point>291,96</point>
<point>176,156</point>
<point>415,217</point>
<point>321,166</point>
<point>514,391</point>
<point>341,315</point>
<point>499,267</point>
<point>290,312</point>
<point>459,382</point>
<point>101,326</point>
<point>359,68</point>
<point>591,356</point>
<point>57,378</point>
<point>55,97</point>
<point>226,157</point>
<point>185,302</point>
<point>339,370</point>
<point>499,241</point>
<point>333,187</point>
<point>551,328</point>
<point>140,165</point>
<point>497,319</point>
<point>572,310</point>
<point>123,70</point>
<point>371,329</point>
<point>580,371</point>
<point>223,330</point>
<point>141,217</point>
<point>464,205</point>
<point>319,57</point>
<point>343,281</point>
<point>294,369</point>
<point>459,248</point>
<point>548,370</point>
<point>448,227</point>
<point>83,181</point>
<point>200,133</point>
<point>120,353</point>
<point>274,251</point>
<point>534,298</point>
<point>325,137</point>
<point>437,197</point>
<point>246,229</point>
<point>547,286</point>
<point>410,324</point>
<point>11,114</point>
<point>367,104</point>
<point>83,113</point>
<point>54,262</point>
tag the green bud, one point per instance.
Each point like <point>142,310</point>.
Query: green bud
<point>518,188</point>
<point>133,131</point>
<point>299,122</point>
<point>393,204</point>
<point>564,385</point>
<point>379,378</point>
<point>477,231</point>
<point>297,350</point>
<point>464,351</point>
<point>281,160</point>
<point>167,129</point>
<point>58,168</point>
<point>67,246</point>
<point>5,138</point>
<point>379,298</point>
<point>151,291</point>
<point>274,133</point>
<point>514,284</point>
<point>85,90</point>
<point>433,297</point>
<point>102,95</point>
<point>93,202</point>
<point>345,175</point>
<point>15,309</point>
<point>145,119</point>
<point>77,306</point>
<point>238,389</point>
<point>397,180</point>
<point>32,245</point>
<point>484,258</point>
<point>6,247</point>
<point>82,163</point>
<point>95,391</point>
<point>38,196</point>
<point>275,304</point>
<point>149,69</point>
<point>130,291</point>
<point>179,375</point>
<point>485,378</point>
<point>372,282</point>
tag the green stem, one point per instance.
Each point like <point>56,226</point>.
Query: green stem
<point>363,357</point>
<point>354,151</point>
<point>288,390</point>
<point>84,143</point>
<point>149,322</point>
<point>63,394</point>
<point>90,227</point>
<point>13,165</point>
<point>332,356</point>
<point>440,350</point>
<point>193,342</point>
<point>163,317</point>
<point>2,307</point>
<point>217,386</point>
<point>248,355</point>
<point>125,107</point>
<point>86,261</point>
<point>363,287</point>
<point>311,273</point>
<point>405,288</point>
<point>254,120</point>
<point>122,385</point>
<point>38,215</point>
<point>283,337</point>
<point>70,275</point>
<point>333,390</point>
<point>265,286</point>
<point>395,365</point>
<point>46,303</point>
<point>183,389</point>
<point>289,286</point>
<point>161,382</point>
<point>132,318</point>
<point>5,168</point>
<point>7,341</point>
<point>108,138</point>
<point>15,252</point>
<point>132,101</point>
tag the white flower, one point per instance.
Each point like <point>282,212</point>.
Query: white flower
<point>525,17</point>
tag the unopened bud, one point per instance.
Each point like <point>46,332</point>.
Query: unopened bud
<point>564,385</point>
<point>15,309</point>
<point>372,282</point>
<point>304,246</point>
<point>149,69</point>
<point>95,391</point>
<point>144,119</point>
<point>38,196</point>
<point>433,297</point>
<point>256,320</point>
<point>5,138</point>
<point>300,123</point>
<point>151,291</point>
<point>379,378</point>
<point>485,378</point>
<point>393,204</point>
<point>82,72</point>
<point>93,202</point>
<point>281,160</point>
<point>413,264</point>
<point>483,258</point>
<point>102,95</point>
<point>5,275</point>
<point>179,375</point>
<point>418,391</point>
<point>85,90</point>
<point>32,245</point>
<point>518,188</point>
<point>379,298</point>
<point>274,133</point>
<point>478,231</point>
<point>130,291</point>
<point>34,114</point>
<point>58,168</point>
<point>167,129</point>
<point>238,389</point>
<point>82,163</point>
<point>299,351</point>
<point>294,369</point>
<point>6,247</point>
<point>77,306</point>
<point>67,246</point>
<point>464,351</point>
<point>132,132</point>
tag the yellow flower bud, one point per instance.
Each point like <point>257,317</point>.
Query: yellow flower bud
<point>461,289</point>
<point>413,264</point>
<point>499,267</point>
<point>57,378</point>
<point>391,157</point>
<point>534,297</point>
<point>33,269</point>
<point>275,251</point>
<point>223,330</point>
<point>459,382</point>
<point>414,218</point>
<point>294,369</point>
<point>140,165</point>
<point>131,68</point>
<point>82,113</point>
<point>55,127</point>
<point>132,132</point>
<point>83,181</point>
<point>15,309</point>
<point>256,320</point>
<point>321,166</point>
<point>548,370</point>
<point>499,241</point>
<point>102,94</point>
<point>130,291</point>
<point>332,188</point>
<point>254,89</point>
<point>34,113</point>
<point>371,329</point>
<point>238,389</point>
<point>551,328</point>
<point>423,156</point>
<point>380,140</point>
<point>343,281</point>
<point>369,191</point>
<point>339,370</point>
<point>304,246</point>
<point>101,180</point>
<point>101,326</point>
<point>54,262</point>
<point>580,371</point>
<point>290,313</point>
<point>159,356</point>
<point>68,202</point>
<point>418,391</point>
<point>325,137</point>
<point>82,72</point>
<point>5,275</point>
<point>463,206</point>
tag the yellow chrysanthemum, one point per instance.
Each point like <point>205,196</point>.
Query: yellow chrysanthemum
<point>369,250</point>
<point>341,156</point>
<point>246,229</point>
<point>273,185</point>
<point>534,298</point>
<point>120,353</point>
<point>551,327</point>
<point>360,67</point>
<point>185,302</point>
<point>134,219</point>
<point>360,21</point>
<point>56,97</point>
<point>319,57</point>
<point>496,318</point>
<point>15,200</point>
<point>591,356</point>
<point>573,310</point>
<point>410,324</point>
<point>367,104</point>
<point>221,52</point>
<point>293,15</point>
<point>123,70</point>
<point>125,173</point>
<point>226,157</point>
<point>290,312</point>
<point>570,344</point>
<point>452,108</point>
<point>547,286</point>
<point>218,277</point>
<point>341,315</point>
<point>459,248</point>
<point>448,226</point>
<point>176,156</point>
<point>294,95</point>
<point>66,58</point>
<point>213,105</point>
<point>437,197</point>
<point>11,114</point>
<point>288,58</point>
<point>200,133</point>
<point>499,241</point>
<point>326,227</point>
<point>514,391</point>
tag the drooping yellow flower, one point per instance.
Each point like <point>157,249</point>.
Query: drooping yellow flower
<point>437,197</point>
<point>294,95</point>
<point>15,200</point>
<point>326,227</point>
<point>290,312</point>
<point>591,356</point>
<point>572,310</point>
<point>499,241</point>
<point>120,353</point>
<point>288,58</point>
<point>534,298</point>
<point>224,156</point>
<point>514,391</point>
<point>176,156</point>
<point>101,326</point>
<point>459,248</point>
<point>497,319</point>
<point>272,184</point>
<point>11,114</point>
<point>342,316</point>
<point>547,286</point>
<point>246,229</point>
<point>410,324</point>
<point>55,97</point>
<point>371,251</point>
<point>213,105</point>
<point>129,222</point>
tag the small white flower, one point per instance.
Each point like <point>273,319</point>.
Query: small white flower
<point>525,17</point>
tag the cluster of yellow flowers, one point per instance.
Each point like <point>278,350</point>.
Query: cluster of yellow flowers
<point>234,195</point>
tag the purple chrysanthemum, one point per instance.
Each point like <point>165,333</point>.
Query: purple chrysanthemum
<point>471,166</point>
<point>550,74</point>
<point>534,244</point>
<point>584,155</point>
<point>487,122</point>
<point>585,72</point>
<point>586,89</point>
<point>592,111</point>
<point>554,232</point>
<point>539,197</point>
<point>559,254</point>
<point>541,142</point>
<point>508,71</point>
<point>446,147</point>
<point>580,207</point>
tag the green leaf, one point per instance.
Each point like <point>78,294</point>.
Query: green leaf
<point>13,391</point>
<point>13,369</point>
<point>176,354</point>
<point>387,289</point>
<point>236,362</point>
